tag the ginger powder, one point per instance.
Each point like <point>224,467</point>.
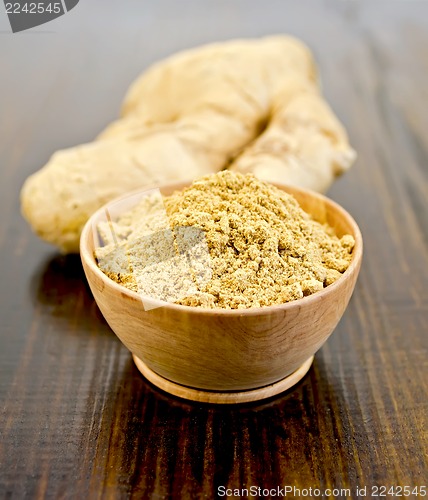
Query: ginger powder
<point>227,241</point>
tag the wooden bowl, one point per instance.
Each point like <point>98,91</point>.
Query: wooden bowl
<point>225,356</point>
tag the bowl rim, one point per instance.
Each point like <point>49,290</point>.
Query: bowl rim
<point>353,267</point>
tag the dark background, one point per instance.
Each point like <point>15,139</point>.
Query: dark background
<point>76,418</point>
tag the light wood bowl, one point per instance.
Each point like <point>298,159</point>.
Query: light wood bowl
<point>226,356</point>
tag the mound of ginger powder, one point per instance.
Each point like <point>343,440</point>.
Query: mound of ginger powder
<point>227,241</point>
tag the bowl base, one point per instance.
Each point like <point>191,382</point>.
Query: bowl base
<point>230,397</point>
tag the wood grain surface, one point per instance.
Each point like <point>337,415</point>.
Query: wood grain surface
<point>77,419</point>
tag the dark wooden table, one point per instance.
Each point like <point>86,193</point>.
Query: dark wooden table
<point>77,419</point>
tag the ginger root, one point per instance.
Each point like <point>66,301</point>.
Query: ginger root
<point>247,105</point>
